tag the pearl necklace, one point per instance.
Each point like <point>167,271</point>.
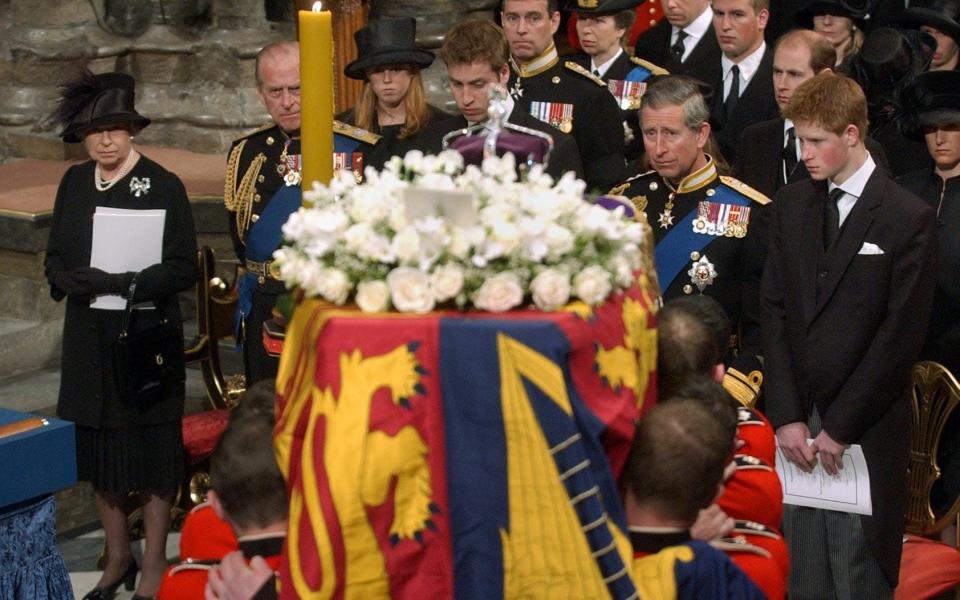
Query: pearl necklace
<point>127,165</point>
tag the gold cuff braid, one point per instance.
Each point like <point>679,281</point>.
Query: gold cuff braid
<point>744,388</point>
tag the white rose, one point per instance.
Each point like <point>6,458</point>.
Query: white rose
<point>499,293</point>
<point>333,284</point>
<point>507,235</point>
<point>622,271</point>
<point>559,239</point>
<point>550,289</point>
<point>373,296</point>
<point>406,245</point>
<point>447,282</point>
<point>410,290</point>
<point>592,285</point>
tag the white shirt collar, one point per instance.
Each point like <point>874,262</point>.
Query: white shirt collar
<point>697,27</point>
<point>602,69</point>
<point>748,66</point>
<point>853,187</point>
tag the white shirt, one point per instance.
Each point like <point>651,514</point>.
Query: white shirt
<point>602,69</point>
<point>748,68</point>
<point>695,30</point>
<point>853,187</point>
<point>787,124</point>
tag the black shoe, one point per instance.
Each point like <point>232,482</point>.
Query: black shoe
<point>107,592</point>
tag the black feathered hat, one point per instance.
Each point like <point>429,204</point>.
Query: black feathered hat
<point>933,98</point>
<point>889,59</point>
<point>942,15</point>
<point>842,8</point>
<point>92,101</point>
<point>387,41</point>
<point>601,7</point>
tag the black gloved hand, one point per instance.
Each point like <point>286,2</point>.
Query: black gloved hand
<point>70,282</point>
<point>101,282</point>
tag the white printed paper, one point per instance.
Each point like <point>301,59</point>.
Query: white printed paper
<point>125,240</point>
<point>847,491</point>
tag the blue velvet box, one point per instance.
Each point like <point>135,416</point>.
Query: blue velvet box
<point>36,462</point>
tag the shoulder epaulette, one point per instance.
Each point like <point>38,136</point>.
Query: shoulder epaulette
<point>193,565</point>
<point>754,528</point>
<point>351,131</point>
<point>580,70</point>
<point>745,388</point>
<point>260,129</point>
<point>747,462</point>
<point>646,64</point>
<point>755,195</point>
<point>739,544</point>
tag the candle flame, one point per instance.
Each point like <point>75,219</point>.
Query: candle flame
<point>317,6</point>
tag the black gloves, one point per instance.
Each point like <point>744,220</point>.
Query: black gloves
<point>82,282</point>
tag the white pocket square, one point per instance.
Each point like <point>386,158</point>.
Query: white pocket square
<point>869,248</point>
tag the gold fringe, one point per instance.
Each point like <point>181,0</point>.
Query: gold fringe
<point>230,182</point>
<point>245,191</point>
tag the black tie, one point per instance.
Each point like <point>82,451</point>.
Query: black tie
<point>677,49</point>
<point>831,218</point>
<point>789,155</point>
<point>596,72</point>
<point>731,102</point>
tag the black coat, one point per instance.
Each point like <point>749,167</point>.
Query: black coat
<point>564,156</point>
<point>757,103</point>
<point>87,394</point>
<point>702,63</point>
<point>597,126</point>
<point>841,330</point>
<point>760,164</point>
<point>943,335</point>
<point>428,140</point>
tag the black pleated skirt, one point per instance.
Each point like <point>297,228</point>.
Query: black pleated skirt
<point>137,459</point>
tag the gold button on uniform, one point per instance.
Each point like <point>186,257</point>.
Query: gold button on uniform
<point>256,197</point>
<point>254,218</point>
<point>687,289</point>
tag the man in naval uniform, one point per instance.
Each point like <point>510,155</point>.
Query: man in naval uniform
<point>262,188</point>
<point>563,93</point>
<point>708,228</point>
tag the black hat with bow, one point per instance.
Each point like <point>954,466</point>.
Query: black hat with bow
<point>387,41</point>
<point>93,101</point>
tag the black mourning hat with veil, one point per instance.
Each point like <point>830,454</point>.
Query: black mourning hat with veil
<point>932,99</point>
<point>93,101</point>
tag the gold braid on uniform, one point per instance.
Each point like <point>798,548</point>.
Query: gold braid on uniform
<point>230,182</point>
<point>745,388</point>
<point>245,191</point>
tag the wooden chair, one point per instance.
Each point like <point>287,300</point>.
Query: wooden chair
<point>928,568</point>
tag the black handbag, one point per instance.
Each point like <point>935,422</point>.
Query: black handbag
<point>146,361</point>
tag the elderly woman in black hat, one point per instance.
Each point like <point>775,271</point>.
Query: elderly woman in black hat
<point>124,447</point>
<point>839,21</point>
<point>393,102</point>
<point>941,19</point>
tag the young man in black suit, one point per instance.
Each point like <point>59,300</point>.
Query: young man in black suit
<point>476,54</point>
<point>683,42</point>
<point>847,292</point>
<point>743,93</point>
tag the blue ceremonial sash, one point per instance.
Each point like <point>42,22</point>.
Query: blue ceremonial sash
<point>673,252</point>
<point>263,238</point>
<point>638,74</point>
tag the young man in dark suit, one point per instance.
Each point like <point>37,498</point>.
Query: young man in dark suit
<point>476,55</point>
<point>683,42</point>
<point>743,93</point>
<point>846,292</point>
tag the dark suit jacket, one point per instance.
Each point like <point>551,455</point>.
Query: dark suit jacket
<point>757,103</point>
<point>759,163</point>
<point>841,331</point>
<point>564,157</point>
<point>702,63</point>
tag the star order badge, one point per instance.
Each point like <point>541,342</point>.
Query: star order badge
<point>702,273</point>
<point>666,218</point>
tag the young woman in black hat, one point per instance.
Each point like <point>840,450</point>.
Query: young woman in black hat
<point>393,102</point>
<point>941,19</point>
<point>838,21</point>
<point>124,447</point>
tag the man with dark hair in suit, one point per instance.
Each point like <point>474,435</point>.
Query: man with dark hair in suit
<point>847,293</point>
<point>743,93</point>
<point>769,153</point>
<point>683,42</point>
<point>477,58</point>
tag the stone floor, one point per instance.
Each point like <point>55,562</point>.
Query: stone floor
<point>81,553</point>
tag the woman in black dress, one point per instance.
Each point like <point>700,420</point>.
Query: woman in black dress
<point>393,103</point>
<point>124,448</point>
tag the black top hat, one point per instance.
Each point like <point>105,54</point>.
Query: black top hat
<point>889,59</point>
<point>387,41</point>
<point>853,9</point>
<point>943,15</point>
<point>601,7</point>
<point>93,101</point>
<point>933,98</point>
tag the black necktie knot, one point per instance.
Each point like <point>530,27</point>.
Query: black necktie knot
<point>831,218</point>
<point>677,50</point>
